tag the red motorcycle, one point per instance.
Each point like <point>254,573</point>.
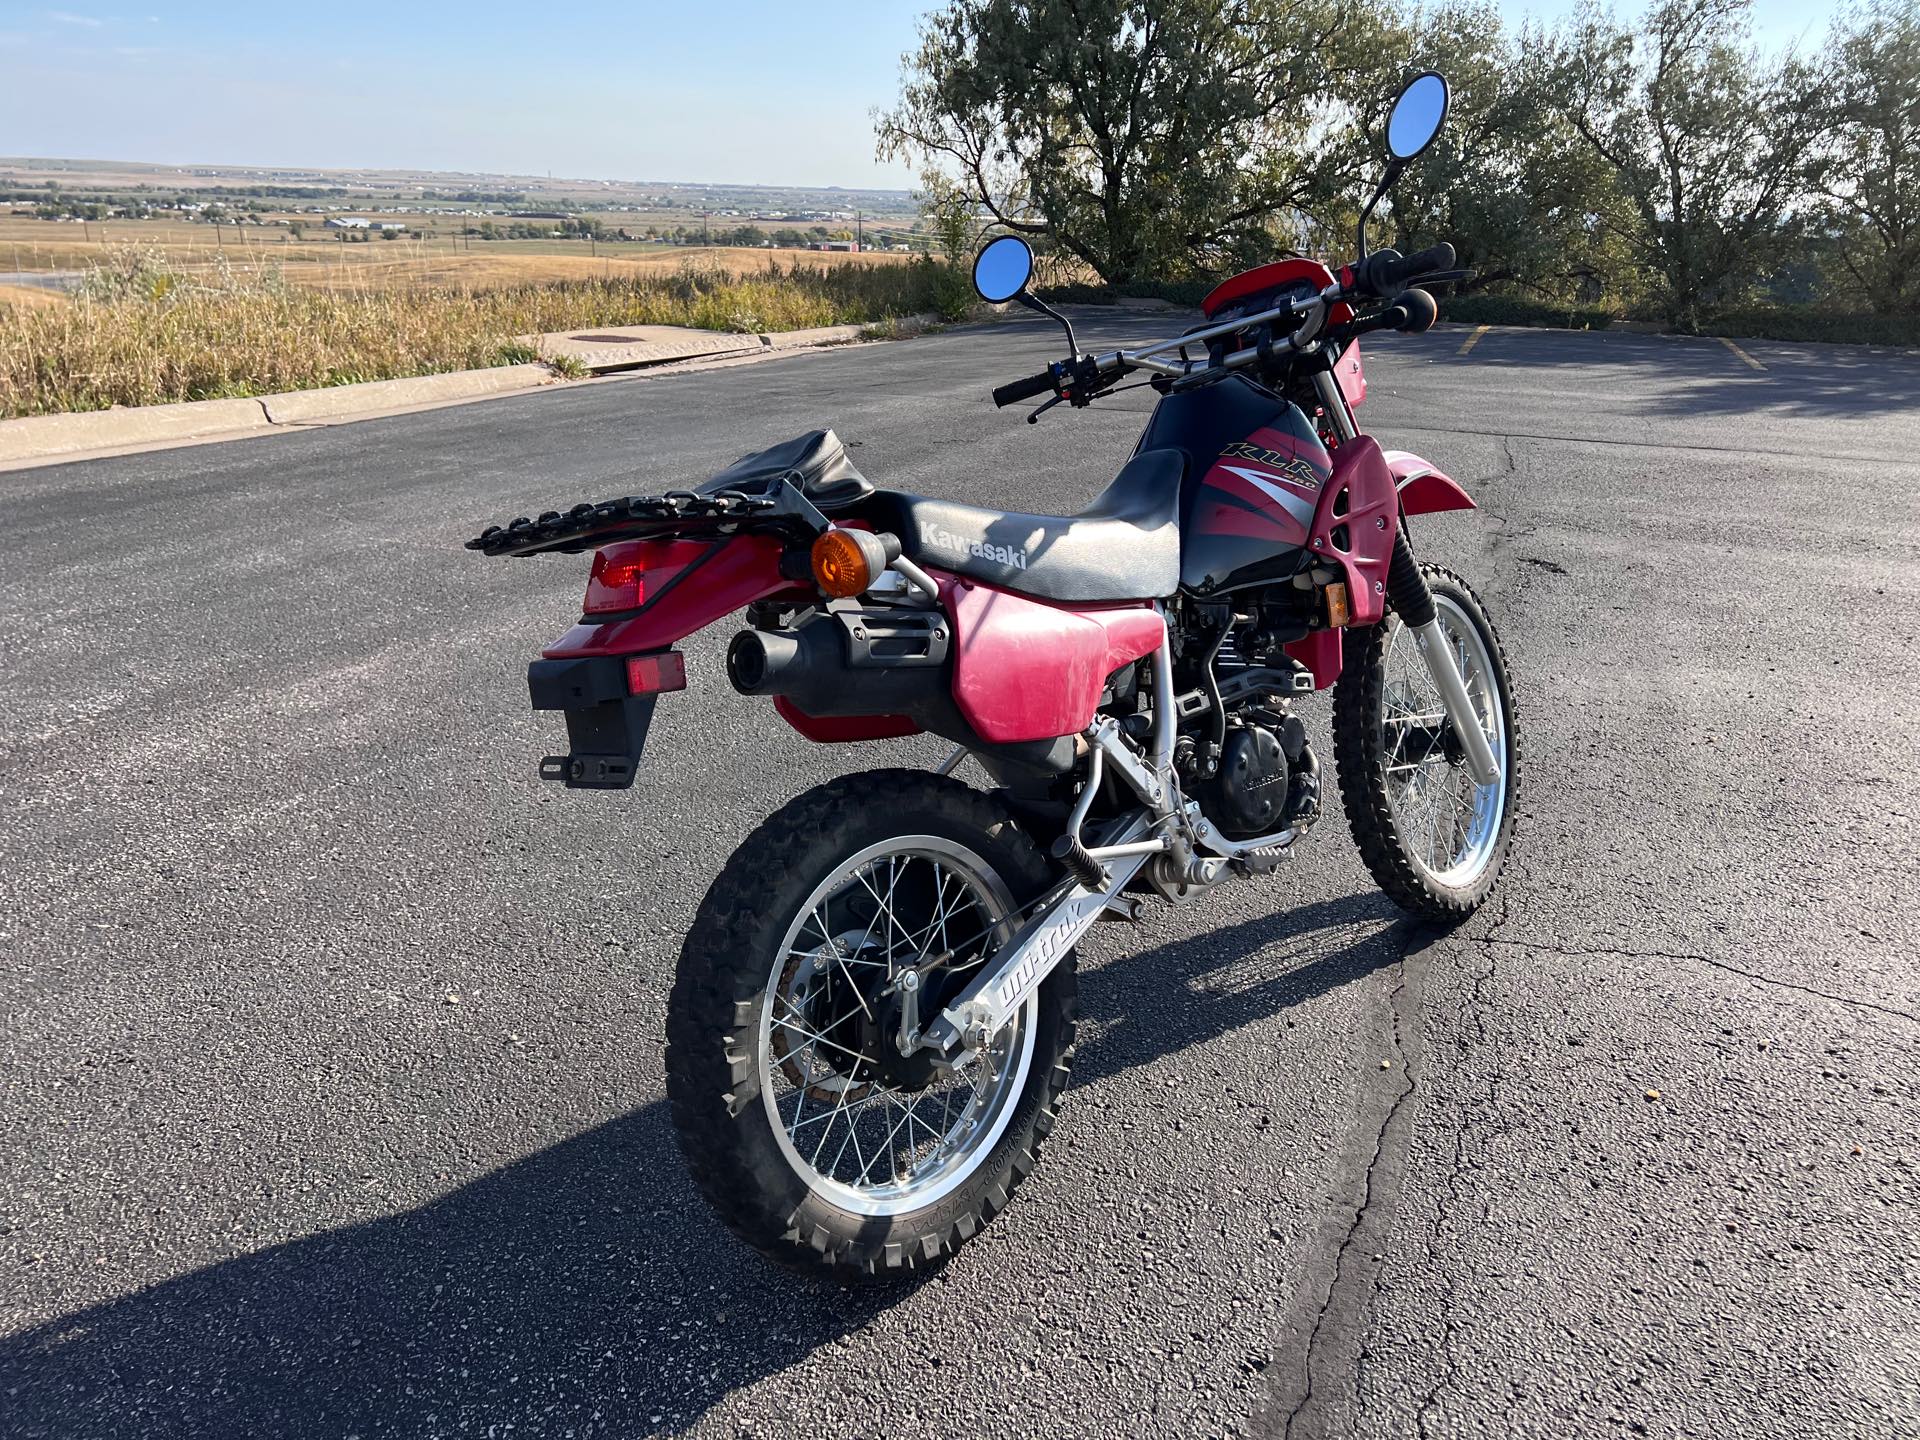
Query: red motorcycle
<point>873,1015</point>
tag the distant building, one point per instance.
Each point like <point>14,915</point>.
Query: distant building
<point>848,245</point>
<point>354,222</point>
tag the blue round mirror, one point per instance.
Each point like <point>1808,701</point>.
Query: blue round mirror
<point>1417,115</point>
<point>1002,268</point>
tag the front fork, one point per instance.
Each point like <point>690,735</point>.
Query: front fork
<point>1413,601</point>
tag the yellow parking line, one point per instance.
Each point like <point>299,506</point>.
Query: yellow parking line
<point>1473,339</point>
<point>1741,353</point>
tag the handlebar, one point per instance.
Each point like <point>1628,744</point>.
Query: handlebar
<point>1385,271</point>
<point>1291,324</point>
<point>1016,391</point>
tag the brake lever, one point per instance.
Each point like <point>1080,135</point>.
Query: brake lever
<point>1042,408</point>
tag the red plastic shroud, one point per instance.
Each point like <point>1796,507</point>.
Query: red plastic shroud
<point>1355,521</point>
<point>1027,670</point>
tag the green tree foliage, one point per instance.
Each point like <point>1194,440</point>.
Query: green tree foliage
<point>1146,136</point>
<point>1705,138</point>
<point>1509,182</point>
<point>1869,169</point>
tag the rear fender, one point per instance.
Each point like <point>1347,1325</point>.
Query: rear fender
<point>687,585</point>
<point>1424,489</point>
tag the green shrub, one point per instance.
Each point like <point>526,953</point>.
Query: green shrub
<point>949,288</point>
<point>1818,323</point>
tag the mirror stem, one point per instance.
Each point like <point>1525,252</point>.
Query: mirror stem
<point>1035,303</point>
<point>1394,167</point>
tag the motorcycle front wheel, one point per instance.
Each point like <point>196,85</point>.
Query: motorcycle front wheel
<point>1433,839</point>
<point>813,1137</point>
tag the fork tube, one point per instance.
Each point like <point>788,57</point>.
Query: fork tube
<point>1481,765</point>
<point>1339,416</point>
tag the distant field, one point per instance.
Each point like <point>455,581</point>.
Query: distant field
<point>320,258</point>
<point>30,296</point>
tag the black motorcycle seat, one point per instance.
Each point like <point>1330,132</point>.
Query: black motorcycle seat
<point>1125,545</point>
<point>816,461</point>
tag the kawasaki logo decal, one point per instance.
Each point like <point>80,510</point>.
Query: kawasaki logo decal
<point>936,538</point>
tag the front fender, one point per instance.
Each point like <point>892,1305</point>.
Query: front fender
<point>1424,488</point>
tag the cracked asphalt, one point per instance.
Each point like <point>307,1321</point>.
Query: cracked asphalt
<point>330,1040</point>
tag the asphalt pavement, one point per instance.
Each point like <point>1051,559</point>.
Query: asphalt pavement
<point>330,1038</point>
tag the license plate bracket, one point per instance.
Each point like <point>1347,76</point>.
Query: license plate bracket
<point>606,726</point>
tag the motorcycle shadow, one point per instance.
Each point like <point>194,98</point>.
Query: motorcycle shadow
<point>584,1290</point>
<point>1159,1002</point>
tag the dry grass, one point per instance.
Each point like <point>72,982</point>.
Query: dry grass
<point>141,332</point>
<point>413,262</point>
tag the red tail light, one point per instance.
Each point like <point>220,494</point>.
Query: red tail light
<point>629,573</point>
<point>650,674</point>
<point>618,582</point>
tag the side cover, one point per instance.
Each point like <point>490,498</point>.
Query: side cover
<point>1026,670</point>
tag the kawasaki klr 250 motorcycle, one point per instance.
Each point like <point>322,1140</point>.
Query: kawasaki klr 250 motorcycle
<point>873,1017</point>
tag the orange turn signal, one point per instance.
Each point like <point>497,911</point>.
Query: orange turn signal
<point>845,562</point>
<point>1339,612</point>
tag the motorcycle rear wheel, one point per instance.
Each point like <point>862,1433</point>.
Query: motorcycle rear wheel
<point>1435,841</point>
<point>813,1139</point>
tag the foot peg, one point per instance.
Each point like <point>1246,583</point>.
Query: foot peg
<point>1083,867</point>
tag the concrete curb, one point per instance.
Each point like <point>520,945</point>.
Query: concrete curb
<point>47,437</point>
<point>607,350</point>
<point>340,402</point>
<point>39,435</point>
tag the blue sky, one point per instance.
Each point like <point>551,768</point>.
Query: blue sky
<point>741,91</point>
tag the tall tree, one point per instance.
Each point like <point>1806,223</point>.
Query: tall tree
<point>1706,138</point>
<point>1870,166</point>
<point>1508,182</point>
<point>1146,136</point>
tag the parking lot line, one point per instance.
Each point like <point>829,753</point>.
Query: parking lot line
<point>1473,339</point>
<point>1741,353</point>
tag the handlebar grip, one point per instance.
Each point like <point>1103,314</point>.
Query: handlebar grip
<point>1385,271</point>
<point>1016,391</point>
<point>1419,309</point>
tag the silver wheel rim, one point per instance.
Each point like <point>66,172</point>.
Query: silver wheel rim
<point>866,1146</point>
<point>1449,827</point>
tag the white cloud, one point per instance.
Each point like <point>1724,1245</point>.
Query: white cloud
<point>67,17</point>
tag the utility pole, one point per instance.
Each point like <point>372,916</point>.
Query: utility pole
<point>859,230</point>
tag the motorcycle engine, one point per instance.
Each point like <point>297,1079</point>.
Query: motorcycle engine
<point>1265,780</point>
